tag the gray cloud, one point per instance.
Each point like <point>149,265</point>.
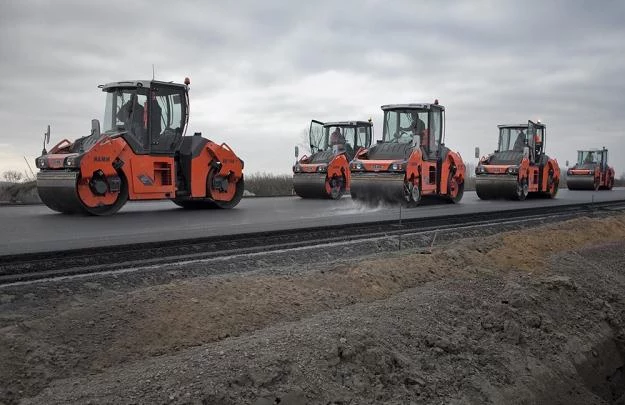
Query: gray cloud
<point>261,70</point>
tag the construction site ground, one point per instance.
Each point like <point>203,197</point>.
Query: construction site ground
<point>533,316</point>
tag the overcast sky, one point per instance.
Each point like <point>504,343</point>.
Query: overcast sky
<point>261,70</point>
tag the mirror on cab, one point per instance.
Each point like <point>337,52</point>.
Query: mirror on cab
<point>46,140</point>
<point>477,152</point>
<point>296,152</point>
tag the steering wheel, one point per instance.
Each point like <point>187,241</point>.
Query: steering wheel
<point>399,134</point>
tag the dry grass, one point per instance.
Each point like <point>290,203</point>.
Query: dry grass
<point>25,193</point>
<point>269,185</point>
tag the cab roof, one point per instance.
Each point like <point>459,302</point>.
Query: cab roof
<point>412,106</point>
<point>139,83</point>
<point>347,124</point>
<point>542,125</point>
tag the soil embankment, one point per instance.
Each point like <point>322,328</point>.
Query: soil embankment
<point>524,317</point>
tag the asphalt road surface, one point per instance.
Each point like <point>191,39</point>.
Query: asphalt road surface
<point>36,228</point>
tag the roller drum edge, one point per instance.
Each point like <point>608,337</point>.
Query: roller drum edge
<point>57,190</point>
<point>580,182</point>
<point>310,185</point>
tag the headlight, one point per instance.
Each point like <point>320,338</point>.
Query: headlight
<point>569,172</point>
<point>70,161</point>
<point>398,166</point>
<point>297,168</point>
<point>322,169</point>
<point>356,166</point>
<point>41,163</point>
<point>479,170</point>
<point>513,170</point>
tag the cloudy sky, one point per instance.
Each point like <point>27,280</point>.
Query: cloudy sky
<point>261,70</point>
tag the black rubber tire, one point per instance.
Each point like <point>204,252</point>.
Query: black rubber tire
<point>521,192</point>
<point>456,200</point>
<point>411,200</point>
<point>556,186</point>
<point>340,193</point>
<point>209,203</point>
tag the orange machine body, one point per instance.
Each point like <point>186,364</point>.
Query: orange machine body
<point>591,172</point>
<point>411,161</point>
<point>325,173</point>
<point>98,173</point>
<point>519,166</point>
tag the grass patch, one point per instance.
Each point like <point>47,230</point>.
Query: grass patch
<point>20,193</point>
<point>269,185</point>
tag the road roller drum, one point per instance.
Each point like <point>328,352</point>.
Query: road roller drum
<point>310,185</point>
<point>582,182</point>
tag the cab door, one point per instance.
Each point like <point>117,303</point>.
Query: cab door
<point>537,173</point>
<point>154,175</point>
<point>316,137</point>
<point>167,112</point>
<point>363,137</point>
<point>532,133</point>
<point>603,164</point>
<point>432,165</point>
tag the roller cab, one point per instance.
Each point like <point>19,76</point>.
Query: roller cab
<point>591,172</point>
<point>325,173</point>
<point>411,161</point>
<point>140,153</point>
<point>519,166</point>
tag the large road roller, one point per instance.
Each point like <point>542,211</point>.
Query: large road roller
<point>325,173</point>
<point>591,172</point>
<point>140,153</point>
<point>519,166</point>
<point>411,160</point>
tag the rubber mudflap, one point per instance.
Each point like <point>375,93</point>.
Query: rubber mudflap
<point>580,182</point>
<point>310,185</point>
<point>57,190</point>
<point>378,187</point>
<point>495,188</point>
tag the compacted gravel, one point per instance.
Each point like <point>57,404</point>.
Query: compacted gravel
<point>532,316</point>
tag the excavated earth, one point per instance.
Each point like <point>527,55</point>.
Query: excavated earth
<point>530,316</point>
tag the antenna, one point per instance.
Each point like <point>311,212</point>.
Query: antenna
<point>30,168</point>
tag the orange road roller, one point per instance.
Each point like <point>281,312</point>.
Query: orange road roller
<point>325,173</point>
<point>591,172</point>
<point>519,166</point>
<point>411,160</point>
<point>140,153</point>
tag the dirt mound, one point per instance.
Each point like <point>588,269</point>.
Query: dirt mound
<point>480,321</point>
